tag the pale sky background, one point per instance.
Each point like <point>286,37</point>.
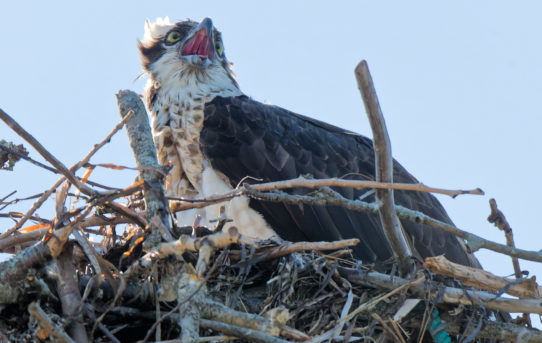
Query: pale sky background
<point>459,83</point>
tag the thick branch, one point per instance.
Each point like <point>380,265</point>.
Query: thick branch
<point>448,295</point>
<point>70,297</point>
<point>481,279</point>
<point>140,135</point>
<point>384,170</point>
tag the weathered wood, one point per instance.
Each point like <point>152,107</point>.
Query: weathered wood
<point>383,170</point>
<point>142,144</point>
<point>481,279</point>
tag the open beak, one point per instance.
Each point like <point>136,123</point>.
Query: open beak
<point>200,42</point>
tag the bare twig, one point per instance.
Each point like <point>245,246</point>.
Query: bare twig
<point>474,242</point>
<point>128,213</point>
<point>333,333</point>
<point>499,220</point>
<point>248,334</point>
<point>192,303</point>
<point>16,215</point>
<point>13,271</point>
<point>89,251</point>
<point>273,323</point>
<point>172,312</point>
<point>48,325</point>
<point>371,303</point>
<point>46,154</point>
<point>384,170</point>
<point>37,204</point>
<point>359,184</point>
<point>7,196</point>
<point>288,248</point>
<point>27,158</point>
<point>9,242</point>
<point>44,166</point>
<point>102,327</point>
<point>318,183</point>
<point>387,328</point>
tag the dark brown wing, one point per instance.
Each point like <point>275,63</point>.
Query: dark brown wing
<point>242,137</point>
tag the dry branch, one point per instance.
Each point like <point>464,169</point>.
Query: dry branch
<point>383,170</point>
<point>8,243</point>
<point>359,184</point>
<point>70,296</point>
<point>48,325</point>
<point>448,295</point>
<point>11,154</point>
<point>37,204</point>
<point>14,270</point>
<point>313,184</point>
<point>474,242</point>
<point>481,279</point>
<point>16,153</point>
<point>499,220</point>
<point>140,135</point>
<point>204,245</point>
<point>288,248</point>
<point>46,154</point>
<point>241,332</point>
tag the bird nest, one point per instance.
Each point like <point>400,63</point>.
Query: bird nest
<point>226,288</point>
<point>77,279</point>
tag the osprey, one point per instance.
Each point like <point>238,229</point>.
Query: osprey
<point>215,137</point>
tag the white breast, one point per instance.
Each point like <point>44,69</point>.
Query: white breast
<point>177,120</point>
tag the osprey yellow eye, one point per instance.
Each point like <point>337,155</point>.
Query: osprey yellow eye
<point>173,37</point>
<point>219,48</point>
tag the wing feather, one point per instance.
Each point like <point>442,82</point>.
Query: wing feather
<point>242,137</point>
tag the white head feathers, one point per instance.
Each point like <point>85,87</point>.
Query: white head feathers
<point>155,30</point>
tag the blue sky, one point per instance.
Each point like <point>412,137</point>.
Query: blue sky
<point>459,84</point>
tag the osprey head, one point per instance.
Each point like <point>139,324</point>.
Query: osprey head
<point>186,51</point>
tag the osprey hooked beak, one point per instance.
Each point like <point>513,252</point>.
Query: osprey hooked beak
<point>200,42</point>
